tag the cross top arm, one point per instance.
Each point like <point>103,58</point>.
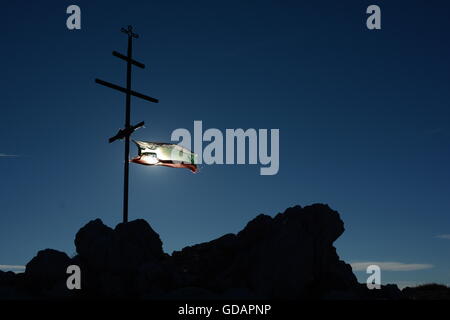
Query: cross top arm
<point>129,32</point>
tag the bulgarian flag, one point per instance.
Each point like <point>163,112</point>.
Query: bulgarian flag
<point>165,154</point>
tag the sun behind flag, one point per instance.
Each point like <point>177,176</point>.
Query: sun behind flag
<point>165,154</point>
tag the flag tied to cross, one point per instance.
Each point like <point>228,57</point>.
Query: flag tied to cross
<point>165,154</point>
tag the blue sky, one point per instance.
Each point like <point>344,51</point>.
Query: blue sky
<point>363,115</point>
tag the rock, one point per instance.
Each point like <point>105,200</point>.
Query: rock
<point>292,256</point>
<point>111,259</point>
<point>93,243</point>
<point>46,271</point>
<point>190,293</point>
<point>154,279</point>
<point>391,292</point>
<point>238,294</point>
<point>203,265</point>
<point>125,248</point>
<point>289,256</point>
<point>431,291</point>
<point>7,278</point>
<point>286,257</point>
<point>135,244</point>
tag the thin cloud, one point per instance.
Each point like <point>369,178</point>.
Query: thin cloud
<point>443,236</point>
<point>390,266</point>
<point>4,155</point>
<point>11,267</point>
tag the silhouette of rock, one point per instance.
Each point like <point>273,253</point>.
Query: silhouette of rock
<point>93,243</point>
<point>7,278</point>
<point>431,291</point>
<point>11,286</point>
<point>45,274</point>
<point>289,256</point>
<point>136,244</point>
<point>112,259</point>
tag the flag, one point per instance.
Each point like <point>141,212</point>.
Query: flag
<point>165,154</point>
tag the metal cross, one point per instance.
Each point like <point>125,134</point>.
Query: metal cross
<point>126,132</point>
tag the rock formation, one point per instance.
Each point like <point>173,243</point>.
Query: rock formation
<point>289,256</point>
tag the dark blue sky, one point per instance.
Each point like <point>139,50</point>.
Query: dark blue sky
<point>363,115</point>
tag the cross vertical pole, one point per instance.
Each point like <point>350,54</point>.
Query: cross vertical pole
<point>127,127</point>
<point>126,132</point>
